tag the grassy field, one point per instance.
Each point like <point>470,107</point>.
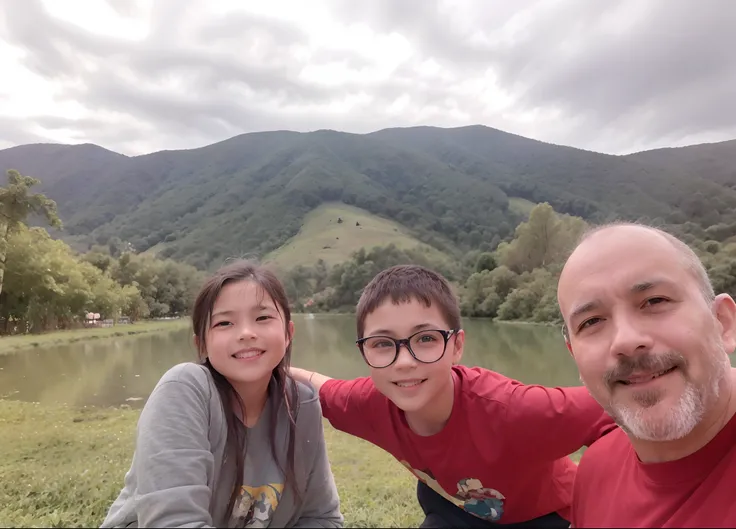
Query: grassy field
<point>62,467</point>
<point>9,344</point>
<point>322,237</point>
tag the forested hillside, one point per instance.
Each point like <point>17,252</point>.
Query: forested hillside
<point>712,161</point>
<point>496,213</point>
<point>449,188</point>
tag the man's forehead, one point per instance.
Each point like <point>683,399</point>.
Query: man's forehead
<point>629,246</point>
<point>619,258</point>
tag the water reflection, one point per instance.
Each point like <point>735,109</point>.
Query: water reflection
<point>125,370</point>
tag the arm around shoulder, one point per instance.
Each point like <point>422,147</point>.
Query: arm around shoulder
<point>172,464</point>
<point>348,404</point>
<point>308,377</point>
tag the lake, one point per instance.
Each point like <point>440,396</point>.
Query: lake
<point>112,372</point>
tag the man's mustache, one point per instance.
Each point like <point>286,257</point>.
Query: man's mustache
<point>646,362</point>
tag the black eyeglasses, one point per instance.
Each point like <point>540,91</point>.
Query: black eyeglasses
<point>426,346</point>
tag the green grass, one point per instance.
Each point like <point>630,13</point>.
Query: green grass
<point>9,344</point>
<point>63,467</point>
<point>521,205</point>
<point>322,237</point>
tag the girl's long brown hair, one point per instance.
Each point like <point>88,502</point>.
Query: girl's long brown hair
<point>287,394</point>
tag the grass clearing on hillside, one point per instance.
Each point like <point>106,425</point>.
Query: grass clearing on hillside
<point>10,344</point>
<point>521,206</point>
<point>323,237</point>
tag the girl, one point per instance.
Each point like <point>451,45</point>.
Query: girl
<point>217,440</point>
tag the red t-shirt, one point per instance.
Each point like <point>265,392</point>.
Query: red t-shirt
<point>502,455</point>
<point>615,489</point>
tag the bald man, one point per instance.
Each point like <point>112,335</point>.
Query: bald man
<point>652,344</point>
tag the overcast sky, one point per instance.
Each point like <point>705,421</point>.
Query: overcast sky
<point>137,76</point>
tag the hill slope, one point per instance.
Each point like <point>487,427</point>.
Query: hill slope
<point>713,161</point>
<point>332,232</point>
<point>450,187</point>
<point>587,184</point>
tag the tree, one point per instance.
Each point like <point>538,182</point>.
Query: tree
<point>545,239</point>
<point>534,299</point>
<point>484,291</point>
<point>50,287</point>
<point>15,205</point>
<point>485,261</point>
<point>298,283</point>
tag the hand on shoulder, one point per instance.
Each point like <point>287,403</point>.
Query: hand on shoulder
<point>308,377</point>
<point>299,374</point>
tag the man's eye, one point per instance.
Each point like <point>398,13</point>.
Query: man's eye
<point>589,322</point>
<point>657,300</point>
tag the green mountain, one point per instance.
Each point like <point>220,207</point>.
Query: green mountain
<point>587,184</point>
<point>448,188</point>
<point>713,161</point>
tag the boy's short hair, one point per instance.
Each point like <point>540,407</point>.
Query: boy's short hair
<point>402,283</point>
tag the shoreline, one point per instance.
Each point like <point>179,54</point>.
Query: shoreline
<point>21,342</point>
<point>474,318</point>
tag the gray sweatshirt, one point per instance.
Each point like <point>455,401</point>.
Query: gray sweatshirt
<point>180,476</point>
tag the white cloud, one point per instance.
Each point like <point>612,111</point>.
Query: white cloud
<point>145,75</point>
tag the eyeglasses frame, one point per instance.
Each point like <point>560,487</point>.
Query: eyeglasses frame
<point>398,342</point>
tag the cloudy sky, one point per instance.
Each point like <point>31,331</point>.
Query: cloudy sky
<point>137,76</point>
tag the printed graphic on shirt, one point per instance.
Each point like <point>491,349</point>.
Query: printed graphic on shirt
<point>255,505</point>
<point>471,495</point>
<point>479,500</point>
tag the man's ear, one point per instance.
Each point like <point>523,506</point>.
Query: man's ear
<point>724,310</point>
<point>566,337</point>
<point>459,340</point>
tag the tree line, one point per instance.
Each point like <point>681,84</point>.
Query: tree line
<point>45,284</point>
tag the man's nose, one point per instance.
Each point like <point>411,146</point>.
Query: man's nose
<point>630,336</point>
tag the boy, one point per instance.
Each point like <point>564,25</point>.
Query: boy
<point>486,449</point>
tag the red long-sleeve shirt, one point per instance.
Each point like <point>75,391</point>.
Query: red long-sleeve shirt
<point>502,455</point>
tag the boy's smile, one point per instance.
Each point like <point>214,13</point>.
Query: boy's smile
<point>424,391</point>
<point>409,383</point>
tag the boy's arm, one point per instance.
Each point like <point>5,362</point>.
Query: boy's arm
<point>549,423</point>
<point>350,405</point>
<point>308,377</point>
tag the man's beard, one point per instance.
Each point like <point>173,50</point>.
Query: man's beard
<point>679,420</point>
